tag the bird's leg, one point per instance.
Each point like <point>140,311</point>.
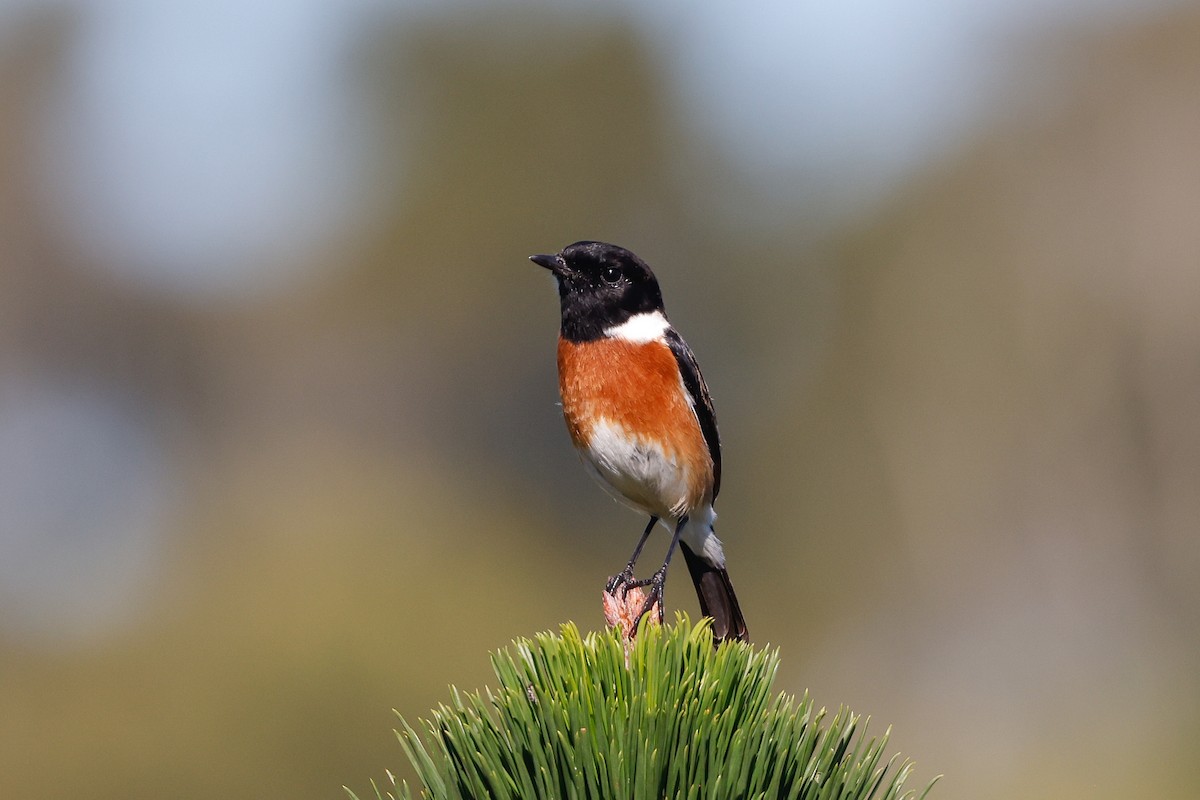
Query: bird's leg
<point>658,580</point>
<point>624,579</point>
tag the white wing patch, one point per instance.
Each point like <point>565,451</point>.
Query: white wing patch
<point>640,328</point>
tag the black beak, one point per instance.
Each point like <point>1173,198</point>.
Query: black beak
<point>553,263</point>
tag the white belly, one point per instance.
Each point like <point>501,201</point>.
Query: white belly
<point>637,471</point>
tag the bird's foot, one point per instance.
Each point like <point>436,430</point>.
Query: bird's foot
<point>654,597</point>
<point>626,602</point>
<point>623,581</point>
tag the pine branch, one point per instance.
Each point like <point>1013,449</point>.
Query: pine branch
<point>664,716</point>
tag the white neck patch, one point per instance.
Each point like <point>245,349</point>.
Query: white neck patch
<point>640,328</point>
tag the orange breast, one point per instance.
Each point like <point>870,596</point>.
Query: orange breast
<point>634,385</point>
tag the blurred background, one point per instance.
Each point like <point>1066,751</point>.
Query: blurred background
<point>279,444</point>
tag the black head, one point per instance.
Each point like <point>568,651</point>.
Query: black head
<point>600,285</point>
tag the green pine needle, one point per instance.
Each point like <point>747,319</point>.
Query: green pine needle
<point>572,719</point>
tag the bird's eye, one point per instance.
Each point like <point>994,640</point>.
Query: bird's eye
<point>611,276</point>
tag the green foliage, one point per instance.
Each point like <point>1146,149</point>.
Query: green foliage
<point>577,717</point>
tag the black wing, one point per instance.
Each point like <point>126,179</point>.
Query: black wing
<point>693,381</point>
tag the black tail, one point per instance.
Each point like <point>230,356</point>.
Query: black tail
<point>717,599</point>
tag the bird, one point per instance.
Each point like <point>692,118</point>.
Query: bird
<point>640,416</point>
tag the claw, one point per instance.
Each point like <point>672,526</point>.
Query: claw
<point>623,581</point>
<point>654,598</point>
<point>626,611</point>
